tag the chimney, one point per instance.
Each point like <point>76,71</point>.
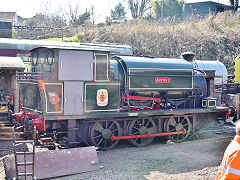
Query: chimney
<point>188,56</point>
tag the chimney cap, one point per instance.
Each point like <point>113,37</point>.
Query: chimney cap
<point>188,56</point>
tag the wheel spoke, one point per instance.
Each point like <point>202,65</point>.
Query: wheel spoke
<point>98,136</point>
<point>180,123</point>
<point>114,130</point>
<point>100,141</point>
<point>138,123</point>
<point>151,129</point>
<point>136,128</point>
<point>135,139</point>
<point>111,125</point>
<point>99,127</point>
<point>172,122</point>
<point>100,133</point>
<point>172,130</point>
<point>147,123</point>
<point>175,136</point>
<point>145,126</point>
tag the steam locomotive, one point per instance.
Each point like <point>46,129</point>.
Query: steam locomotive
<point>82,95</point>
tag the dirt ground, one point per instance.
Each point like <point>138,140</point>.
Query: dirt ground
<point>196,159</point>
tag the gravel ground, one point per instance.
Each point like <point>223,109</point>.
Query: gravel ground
<point>6,147</point>
<point>196,159</point>
<point>191,160</point>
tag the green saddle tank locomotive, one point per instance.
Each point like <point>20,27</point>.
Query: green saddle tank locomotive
<point>86,96</point>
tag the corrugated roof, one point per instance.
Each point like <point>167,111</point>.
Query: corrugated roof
<point>205,2</point>
<point>7,16</point>
<point>11,63</point>
<point>86,48</point>
<point>6,43</point>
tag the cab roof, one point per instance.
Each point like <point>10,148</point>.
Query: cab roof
<point>6,43</point>
<point>11,63</point>
<point>84,48</point>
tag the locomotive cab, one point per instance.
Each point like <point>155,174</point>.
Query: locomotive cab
<point>69,81</point>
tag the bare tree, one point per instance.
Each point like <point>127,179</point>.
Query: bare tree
<point>72,13</point>
<point>53,19</point>
<point>68,14</point>
<point>138,7</point>
<point>92,14</point>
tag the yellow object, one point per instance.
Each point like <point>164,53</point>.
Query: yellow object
<point>237,69</point>
<point>3,107</point>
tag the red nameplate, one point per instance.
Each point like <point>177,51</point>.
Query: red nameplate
<point>162,80</point>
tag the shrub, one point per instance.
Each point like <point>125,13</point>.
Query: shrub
<point>215,38</point>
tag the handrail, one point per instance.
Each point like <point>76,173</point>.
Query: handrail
<point>34,75</point>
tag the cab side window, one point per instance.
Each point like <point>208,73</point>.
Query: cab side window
<point>101,67</point>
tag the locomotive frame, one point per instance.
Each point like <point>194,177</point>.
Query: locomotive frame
<point>104,123</point>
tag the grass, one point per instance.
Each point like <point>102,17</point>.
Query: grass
<point>75,38</point>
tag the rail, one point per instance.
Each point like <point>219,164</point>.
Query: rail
<point>34,75</point>
<point>31,28</point>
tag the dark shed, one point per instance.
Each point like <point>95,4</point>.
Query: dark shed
<point>5,29</point>
<point>202,9</point>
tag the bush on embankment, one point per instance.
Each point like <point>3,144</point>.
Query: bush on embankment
<point>214,38</point>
